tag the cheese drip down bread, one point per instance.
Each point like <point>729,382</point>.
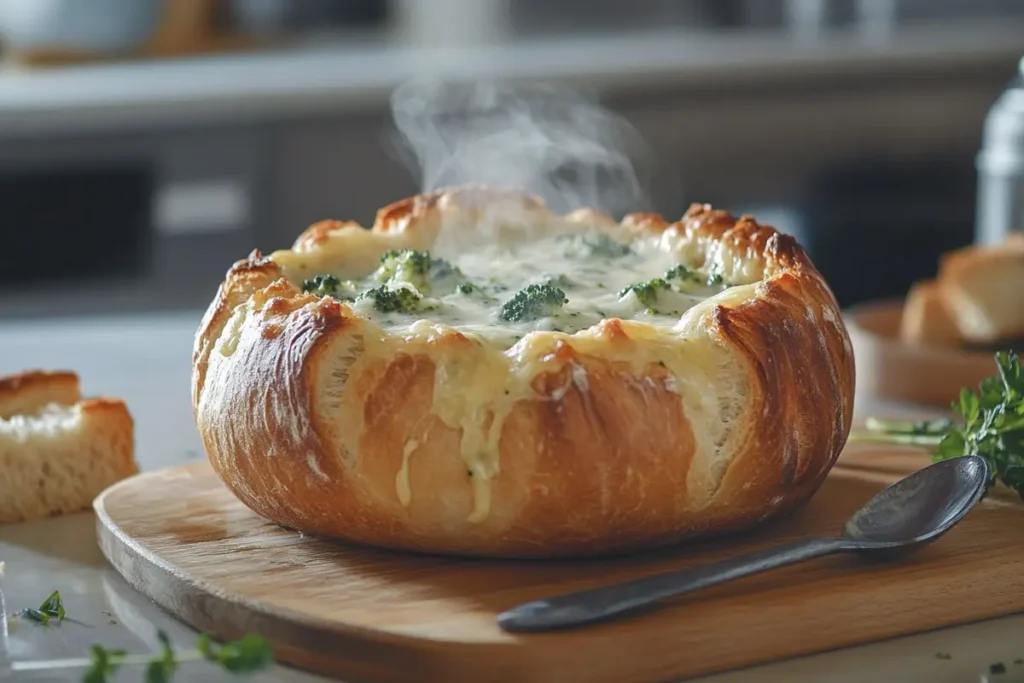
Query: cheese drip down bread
<point>478,375</point>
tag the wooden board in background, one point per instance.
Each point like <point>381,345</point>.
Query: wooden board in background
<point>891,370</point>
<point>180,537</point>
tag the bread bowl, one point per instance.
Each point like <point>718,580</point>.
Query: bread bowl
<point>584,432</point>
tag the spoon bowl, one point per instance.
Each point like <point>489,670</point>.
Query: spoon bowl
<point>920,508</point>
<point>907,515</point>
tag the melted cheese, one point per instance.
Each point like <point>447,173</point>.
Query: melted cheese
<point>475,389</point>
<point>233,331</point>
<point>465,387</point>
<point>402,478</point>
<point>592,282</point>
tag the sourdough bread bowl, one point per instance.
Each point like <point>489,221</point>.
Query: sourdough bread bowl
<point>680,380</point>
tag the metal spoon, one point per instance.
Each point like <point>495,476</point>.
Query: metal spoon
<point>903,517</point>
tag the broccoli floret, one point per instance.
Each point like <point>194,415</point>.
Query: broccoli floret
<point>321,284</point>
<point>404,265</point>
<point>684,275</point>
<point>646,292</point>
<point>595,244</point>
<point>532,302</point>
<point>681,273</point>
<point>415,267</point>
<point>328,285</point>
<point>398,300</point>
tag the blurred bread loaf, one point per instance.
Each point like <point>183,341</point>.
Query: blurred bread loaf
<point>976,298</point>
<point>926,319</point>
<point>58,451</point>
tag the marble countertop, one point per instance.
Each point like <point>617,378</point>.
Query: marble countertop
<point>146,360</point>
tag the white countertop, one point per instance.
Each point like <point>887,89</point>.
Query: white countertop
<point>146,361</point>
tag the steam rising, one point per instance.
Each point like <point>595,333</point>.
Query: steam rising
<point>556,144</point>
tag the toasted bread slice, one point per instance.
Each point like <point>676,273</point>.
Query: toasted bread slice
<point>58,451</point>
<point>983,290</point>
<point>926,321</point>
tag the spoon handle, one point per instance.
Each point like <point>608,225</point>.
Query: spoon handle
<point>576,609</point>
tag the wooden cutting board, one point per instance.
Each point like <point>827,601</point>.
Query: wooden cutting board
<point>180,537</point>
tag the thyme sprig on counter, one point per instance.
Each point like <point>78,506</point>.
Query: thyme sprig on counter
<point>248,654</point>
<point>989,422</point>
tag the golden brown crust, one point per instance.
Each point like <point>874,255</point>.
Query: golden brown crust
<point>244,277</point>
<point>318,232</point>
<point>114,420</point>
<point>314,427</point>
<point>29,391</point>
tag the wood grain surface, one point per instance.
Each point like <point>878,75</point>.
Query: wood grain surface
<point>891,370</point>
<point>360,614</point>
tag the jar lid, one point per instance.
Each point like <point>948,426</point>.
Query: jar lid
<point>1003,138</point>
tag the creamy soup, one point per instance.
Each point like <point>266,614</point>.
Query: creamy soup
<point>500,292</point>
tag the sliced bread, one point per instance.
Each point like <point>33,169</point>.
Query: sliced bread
<point>58,451</point>
<point>975,301</point>
<point>926,321</point>
<point>983,289</point>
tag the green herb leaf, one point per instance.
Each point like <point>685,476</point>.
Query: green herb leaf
<point>205,646</point>
<point>970,406</point>
<point>162,667</point>
<point>104,664</point>
<point>991,425</point>
<point>53,606</point>
<point>33,614</point>
<point>247,654</point>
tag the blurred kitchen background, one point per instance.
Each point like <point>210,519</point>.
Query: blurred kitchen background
<point>147,144</point>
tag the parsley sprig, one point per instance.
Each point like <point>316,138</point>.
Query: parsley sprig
<point>248,654</point>
<point>990,423</point>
